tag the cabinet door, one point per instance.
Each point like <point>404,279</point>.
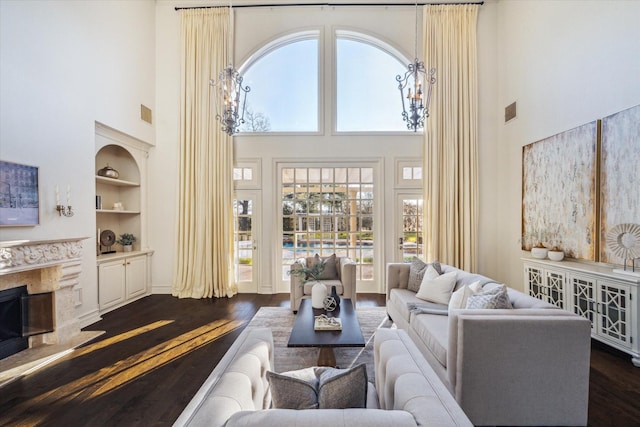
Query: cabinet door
<point>111,284</point>
<point>583,298</point>
<point>533,279</point>
<point>555,284</point>
<point>614,320</point>
<point>136,276</point>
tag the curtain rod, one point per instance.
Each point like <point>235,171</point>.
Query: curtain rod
<point>326,4</point>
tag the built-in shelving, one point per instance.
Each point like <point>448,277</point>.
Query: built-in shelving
<point>122,276</point>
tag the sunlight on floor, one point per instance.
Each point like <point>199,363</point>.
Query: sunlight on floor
<point>120,337</point>
<point>123,371</point>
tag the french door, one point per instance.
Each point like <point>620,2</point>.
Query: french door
<point>409,237</point>
<point>246,229</point>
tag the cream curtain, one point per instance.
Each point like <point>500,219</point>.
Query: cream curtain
<point>204,256</point>
<point>450,143</point>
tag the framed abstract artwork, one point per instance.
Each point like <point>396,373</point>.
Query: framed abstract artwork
<point>19,203</point>
<point>559,192</point>
<point>619,176</point>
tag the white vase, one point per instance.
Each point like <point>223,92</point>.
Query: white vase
<point>127,248</point>
<point>556,255</point>
<point>318,294</point>
<point>540,253</point>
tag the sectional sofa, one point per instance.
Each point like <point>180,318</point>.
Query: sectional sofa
<point>407,391</point>
<point>526,365</point>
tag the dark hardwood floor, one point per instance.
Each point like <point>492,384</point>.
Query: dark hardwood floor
<point>157,351</point>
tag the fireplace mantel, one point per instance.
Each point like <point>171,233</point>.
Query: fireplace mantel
<point>23,255</point>
<point>46,266</point>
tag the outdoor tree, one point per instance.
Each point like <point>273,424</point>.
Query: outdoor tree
<point>255,121</point>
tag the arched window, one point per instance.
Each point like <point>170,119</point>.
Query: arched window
<point>283,77</point>
<point>367,96</point>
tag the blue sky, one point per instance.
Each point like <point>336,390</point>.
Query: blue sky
<point>284,86</point>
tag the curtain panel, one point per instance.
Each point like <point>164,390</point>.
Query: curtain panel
<point>204,252</point>
<point>450,140</point>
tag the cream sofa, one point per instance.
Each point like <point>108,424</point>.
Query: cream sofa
<point>236,393</point>
<point>345,281</point>
<point>523,366</point>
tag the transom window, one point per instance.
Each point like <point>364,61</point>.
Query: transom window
<point>285,85</point>
<point>283,77</point>
<point>367,95</point>
<point>328,210</point>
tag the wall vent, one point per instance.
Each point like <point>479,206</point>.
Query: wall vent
<point>510,112</point>
<point>145,113</point>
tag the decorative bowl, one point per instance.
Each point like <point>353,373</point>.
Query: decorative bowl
<point>108,172</point>
<point>556,255</point>
<point>540,253</point>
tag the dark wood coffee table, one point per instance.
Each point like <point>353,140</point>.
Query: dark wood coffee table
<point>303,334</point>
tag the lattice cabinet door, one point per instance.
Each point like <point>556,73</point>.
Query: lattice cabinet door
<point>583,298</point>
<point>534,282</point>
<point>614,312</point>
<point>547,285</point>
<point>555,286</point>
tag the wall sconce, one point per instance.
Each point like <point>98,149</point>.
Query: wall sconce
<point>64,210</point>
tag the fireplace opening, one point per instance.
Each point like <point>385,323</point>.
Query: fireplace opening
<point>23,315</point>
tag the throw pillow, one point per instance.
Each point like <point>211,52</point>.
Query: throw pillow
<point>417,270</point>
<point>330,271</point>
<point>343,388</point>
<point>437,288</point>
<point>494,298</point>
<point>294,389</point>
<point>319,387</point>
<point>459,298</point>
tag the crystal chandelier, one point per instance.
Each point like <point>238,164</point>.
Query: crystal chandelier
<point>231,96</point>
<point>419,98</point>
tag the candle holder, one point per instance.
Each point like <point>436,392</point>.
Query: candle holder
<point>64,210</point>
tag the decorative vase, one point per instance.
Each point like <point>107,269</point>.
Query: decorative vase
<point>335,296</point>
<point>556,255</point>
<point>127,248</point>
<point>540,253</point>
<point>318,294</point>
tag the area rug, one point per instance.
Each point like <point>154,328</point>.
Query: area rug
<point>280,321</point>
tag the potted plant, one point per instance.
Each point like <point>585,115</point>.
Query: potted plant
<point>126,240</point>
<point>305,274</point>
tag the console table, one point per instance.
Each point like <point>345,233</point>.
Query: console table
<point>609,300</point>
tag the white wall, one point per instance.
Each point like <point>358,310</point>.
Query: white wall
<point>63,66</point>
<point>256,27</point>
<point>566,63</point>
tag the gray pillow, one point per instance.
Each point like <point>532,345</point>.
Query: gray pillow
<point>319,387</point>
<point>343,388</point>
<point>417,270</point>
<point>491,299</point>
<point>330,271</point>
<point>294,389</point>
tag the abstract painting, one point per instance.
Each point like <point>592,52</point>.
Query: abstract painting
<point>619,175</point>
<point>559,192</point>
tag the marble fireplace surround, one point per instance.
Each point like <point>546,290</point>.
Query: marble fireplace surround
<point>44,266</point>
